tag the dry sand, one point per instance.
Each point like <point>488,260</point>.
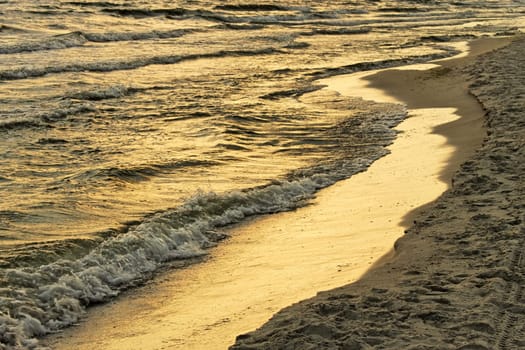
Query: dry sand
<point>277,260</point>
<point>455,280</point>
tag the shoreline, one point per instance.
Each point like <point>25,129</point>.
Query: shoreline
<point>454,280</point>
<point>156,314</point>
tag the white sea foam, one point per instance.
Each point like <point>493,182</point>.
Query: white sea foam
<point>42,294</point>
<point>53,296</point>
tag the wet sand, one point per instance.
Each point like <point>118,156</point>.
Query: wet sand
<point>455,279</point>
<point>277,260</point>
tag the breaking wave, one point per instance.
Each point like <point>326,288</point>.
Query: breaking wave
<point>45,298</point>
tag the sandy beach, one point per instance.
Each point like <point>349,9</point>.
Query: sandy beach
<point>336,239</point>
<point>455,279</point>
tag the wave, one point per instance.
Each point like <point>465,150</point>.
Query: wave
<point>92,4</point>
<point>231,147</point>
<point>295,93</point>
<point>52,296</point>
<point>97,93</point>
<point>79,38</point>
<point>189,115</point>
<point>143,13</point>
<point>403,9</point>
<point>129,36</point>
<point>31,72</point>
<point>44,298</point>
<point>352,68</point>
<point>45,119</point>
<point>51,141</point>
<point>447,38</point>
<point>226,13</point>
<point>62,41</point>
<point>42,253</point>
<point>135,174</point>
<point>14,214</point>
<point>242,26</point>
<point>9,29</point>
<point>253,7</point>
<point>364,66</point>
<point>19,123</point>
<point>288,19</point>
<point>65,111</point>
<point>338,31</point>
<point>102,93</point>
<point>179,13</point>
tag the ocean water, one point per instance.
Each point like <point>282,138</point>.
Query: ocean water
<point>132,132</point>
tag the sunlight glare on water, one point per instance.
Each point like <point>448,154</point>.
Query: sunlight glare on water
<point>132,130</point>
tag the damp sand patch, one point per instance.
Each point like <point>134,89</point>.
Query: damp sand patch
<point>276,260</point>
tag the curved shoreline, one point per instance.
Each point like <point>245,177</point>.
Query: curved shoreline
<point>455,279</point>
<point>175,322</point>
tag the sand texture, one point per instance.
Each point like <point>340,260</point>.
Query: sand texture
<point>326,244</point>
<point>456,278</point>
<point>273,261</point>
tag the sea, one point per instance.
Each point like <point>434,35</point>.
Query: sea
<point>132,133</point>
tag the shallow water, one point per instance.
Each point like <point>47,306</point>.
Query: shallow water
<point>132,131</point>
